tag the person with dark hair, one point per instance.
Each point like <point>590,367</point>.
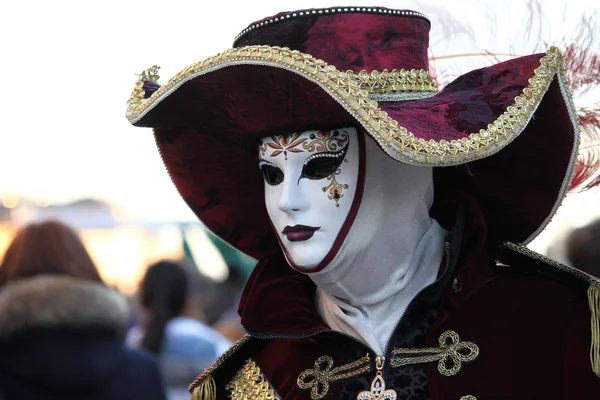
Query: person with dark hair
<point>583,248</point>
<point>183,344</point>
<point>229,323</point>
<point>62,328</point>
<point>163,293</point>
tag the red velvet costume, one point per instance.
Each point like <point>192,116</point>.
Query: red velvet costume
<point>500,322</point>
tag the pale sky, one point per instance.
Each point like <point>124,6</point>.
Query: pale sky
<point>68,67</point>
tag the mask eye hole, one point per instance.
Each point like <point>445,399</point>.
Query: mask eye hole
<point>322,165</point>
<point>272,174</point>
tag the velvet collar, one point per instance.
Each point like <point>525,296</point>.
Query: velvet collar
<point>280,302</point>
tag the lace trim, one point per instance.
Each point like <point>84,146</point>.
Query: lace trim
<point>394,139</point>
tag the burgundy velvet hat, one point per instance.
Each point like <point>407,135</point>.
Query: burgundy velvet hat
<point>364,67</point>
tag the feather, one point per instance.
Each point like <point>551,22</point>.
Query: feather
<point>583,64</point>
<point>588,163</point>
<point>580,49</point>
<point>586,170</point>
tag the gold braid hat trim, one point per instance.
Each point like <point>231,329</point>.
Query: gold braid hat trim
<point>346,89</point>
<point>394,80</point>
<point>199,385</point>
<point>250,384</point>
<point>317,379</point>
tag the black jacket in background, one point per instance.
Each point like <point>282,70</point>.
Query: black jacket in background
<point>61,338</point>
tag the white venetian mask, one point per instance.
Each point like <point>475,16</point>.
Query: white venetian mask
<point>310,183</point>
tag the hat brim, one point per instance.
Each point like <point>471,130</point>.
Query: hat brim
<point>208,117</point>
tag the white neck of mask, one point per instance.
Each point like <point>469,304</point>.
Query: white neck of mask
<point>392,251</point>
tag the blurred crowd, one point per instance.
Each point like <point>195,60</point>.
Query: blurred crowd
<point>64,334</point>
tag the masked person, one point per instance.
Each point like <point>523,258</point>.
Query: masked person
<point>389,219</point>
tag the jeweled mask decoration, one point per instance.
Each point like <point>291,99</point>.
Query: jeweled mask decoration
<point>310,182</point>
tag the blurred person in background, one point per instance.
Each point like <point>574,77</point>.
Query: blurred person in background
<point>62,328</point>
<point>221,306</point>
<point>583,248</point>
<point>183,343</point>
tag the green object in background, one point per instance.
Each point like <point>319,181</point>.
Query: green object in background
<point>234,258</point>
<point>189,257</point>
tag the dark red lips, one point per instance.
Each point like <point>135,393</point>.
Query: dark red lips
<point>299,233</point>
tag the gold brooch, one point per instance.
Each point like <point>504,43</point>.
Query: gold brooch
<point>378,391</point>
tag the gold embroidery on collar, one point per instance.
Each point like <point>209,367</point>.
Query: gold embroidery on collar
<point>206,375</point>
<point>250,384</point>
<point>451,352</point>
<point>394,139</point>
<point>317,380</point>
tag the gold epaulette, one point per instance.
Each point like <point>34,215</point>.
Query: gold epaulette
<point>593,294</point>
<point>594,301</point>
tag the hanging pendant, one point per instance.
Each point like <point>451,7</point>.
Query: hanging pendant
<point>378,391</point>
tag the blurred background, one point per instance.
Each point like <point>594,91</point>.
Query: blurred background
<point>68,153</point>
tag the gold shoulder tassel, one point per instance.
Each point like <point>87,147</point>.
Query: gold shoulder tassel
<point>206,390</point>
<point>594,301</point>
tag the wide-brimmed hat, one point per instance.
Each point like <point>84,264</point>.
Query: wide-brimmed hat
<point>364,67</point>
